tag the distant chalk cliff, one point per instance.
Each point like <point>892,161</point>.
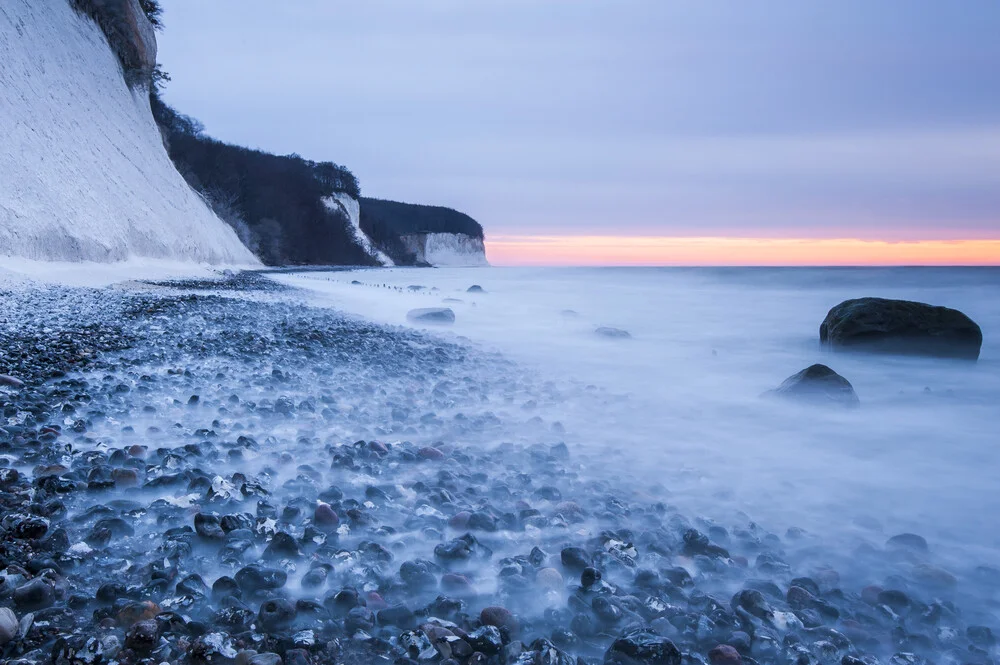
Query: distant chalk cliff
<point>446,249</point>
<point>294,211</point>
<point>424,235</point>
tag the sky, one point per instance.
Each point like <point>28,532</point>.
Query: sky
<point>554,122</point>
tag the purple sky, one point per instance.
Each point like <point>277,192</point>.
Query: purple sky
<point>688,117</point>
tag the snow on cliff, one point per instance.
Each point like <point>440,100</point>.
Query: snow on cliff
<point>352,208</point>
<point>84,175</point>
<point>446,249</point>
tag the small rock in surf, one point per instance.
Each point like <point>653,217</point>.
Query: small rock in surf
<point>613,333</point>
<point>817,384</point>
<point>431,315</point>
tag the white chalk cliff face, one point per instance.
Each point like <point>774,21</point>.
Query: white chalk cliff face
<point>84,175</point>
<point>447,249</point>
<point>352,209</point>
<point>454,249</point>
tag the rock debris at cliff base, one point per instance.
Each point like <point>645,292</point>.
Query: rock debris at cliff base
<point>211,473</point>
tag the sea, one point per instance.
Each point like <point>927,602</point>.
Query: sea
<point>677,405</point>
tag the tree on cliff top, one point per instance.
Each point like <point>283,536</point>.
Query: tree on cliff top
<point>154,12</point>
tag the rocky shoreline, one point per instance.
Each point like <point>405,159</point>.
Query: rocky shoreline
<point>211,472</point>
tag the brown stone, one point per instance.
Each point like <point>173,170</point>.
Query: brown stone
<point>133,613</point>
<point>430,453</point>
<point>325,517</point>
<point>125,477</point>
<point>500,617</point>
<point>725,655</point>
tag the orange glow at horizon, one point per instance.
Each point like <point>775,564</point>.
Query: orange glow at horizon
<point>668,251</point>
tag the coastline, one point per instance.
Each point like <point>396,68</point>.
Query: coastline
<point>258,474</point>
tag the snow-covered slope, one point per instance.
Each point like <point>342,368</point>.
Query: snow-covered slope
<point>446,249</point>
<point>350,207</point>
<point>84,175</point>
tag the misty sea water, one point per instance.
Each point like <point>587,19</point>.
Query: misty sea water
<point>349,450</point>
<point>678,403</point>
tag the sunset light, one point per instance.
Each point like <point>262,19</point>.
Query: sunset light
<point>646,251</point>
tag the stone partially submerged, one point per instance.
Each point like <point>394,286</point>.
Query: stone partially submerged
<point>902,327</point>
<point>10,382</point>
<point>613,333</point>
<point>817,384</point>
<point>431,315</point>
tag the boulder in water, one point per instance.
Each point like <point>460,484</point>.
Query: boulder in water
<point>817,384</point>
<point>613,333</point>
<point>880,325</point>
<point>907,541</point>
<point>431,315</point>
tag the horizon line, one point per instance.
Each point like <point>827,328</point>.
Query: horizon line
<point>729,251</point>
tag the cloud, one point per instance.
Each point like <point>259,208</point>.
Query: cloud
<point>639,116</point>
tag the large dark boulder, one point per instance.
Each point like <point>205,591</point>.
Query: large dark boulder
<point>817,384</point>
<point>880,325</point>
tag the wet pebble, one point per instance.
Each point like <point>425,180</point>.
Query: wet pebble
<point>325,517</point>
<point>208,525</point>
<point>276,614</point>
<point>724,654</point>
<point>642,647</point>
<point>574,558</point>
<point>499,617</point>
<point>257,578</point>
<point>36,594</point>
<point>908,541</point>
<point>9,625</point>
<point>143,636</point>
